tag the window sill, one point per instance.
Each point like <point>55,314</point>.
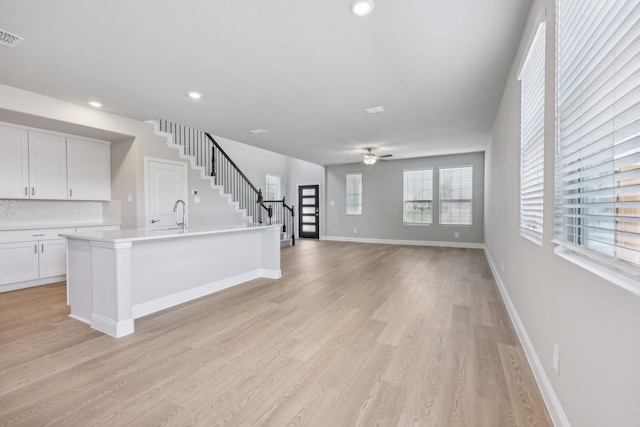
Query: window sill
<point>617,277</point>
<point>532,236</point>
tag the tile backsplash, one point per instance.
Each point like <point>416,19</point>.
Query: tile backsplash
<point>32,212</point>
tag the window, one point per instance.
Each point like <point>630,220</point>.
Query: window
<point>417,200</point>
<point>272,188</point>
<point>354,194</point>
<point>597,197</point>
<point>456,195</point>
<point>532,137</point>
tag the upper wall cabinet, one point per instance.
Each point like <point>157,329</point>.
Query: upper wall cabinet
<point>89,170</point>
<point>47,166</point>
<point>14,163</point>
<point>35,165</point>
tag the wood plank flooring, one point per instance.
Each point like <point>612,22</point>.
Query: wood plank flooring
<point>353,334</point>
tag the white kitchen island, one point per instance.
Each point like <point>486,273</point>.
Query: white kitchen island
<point>114,277</point>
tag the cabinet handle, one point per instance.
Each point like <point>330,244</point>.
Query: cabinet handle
<point>35,248</point>
<point>38,235</point>
<point>42,246</point>
<point>26,191</point>
<point>70,192</point>
<point>33,191</point>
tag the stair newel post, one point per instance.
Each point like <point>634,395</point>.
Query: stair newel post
<point>260,204</point>
<point>213,163</point>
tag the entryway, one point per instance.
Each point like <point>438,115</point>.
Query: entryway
<point>309,211</point>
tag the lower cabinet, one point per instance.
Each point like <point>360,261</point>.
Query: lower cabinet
<point>18,262</point>
<point>30,257</point>
<point>53,258</point>
<point>24,261</point>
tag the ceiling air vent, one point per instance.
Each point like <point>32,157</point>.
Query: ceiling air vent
<point>8,39</point>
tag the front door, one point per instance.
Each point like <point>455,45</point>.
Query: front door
<point>309,212</point>
<point>166,184</point>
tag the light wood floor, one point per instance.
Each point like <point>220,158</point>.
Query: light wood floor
<point>353,334</point>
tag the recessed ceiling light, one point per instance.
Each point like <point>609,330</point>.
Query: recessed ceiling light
<point>374,110</point>
<point>95,104</point>
<point>362,7</point>
<point>257,131</point>
<point>195,95</point>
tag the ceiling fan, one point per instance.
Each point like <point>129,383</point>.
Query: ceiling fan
<point>369,158</point>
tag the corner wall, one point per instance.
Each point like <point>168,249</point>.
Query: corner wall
<point>594,322</point>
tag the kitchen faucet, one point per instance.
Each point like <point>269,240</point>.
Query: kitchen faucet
<point>183,224</point>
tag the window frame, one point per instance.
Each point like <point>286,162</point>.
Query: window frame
<point>532,79</point>
<point>267,186</point>
<point>574,224</point>
<point>359,195</point>
<point>441,199</point>
<point>405,201</point>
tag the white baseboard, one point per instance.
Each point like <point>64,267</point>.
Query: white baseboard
<point>556,412</point>
<point>31,283</point>
<point>111,327</point>
<point>153,306</point>
<point>404,242</point>
<point>82,319</point>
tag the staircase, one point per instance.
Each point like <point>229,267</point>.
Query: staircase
<point>205,154</point>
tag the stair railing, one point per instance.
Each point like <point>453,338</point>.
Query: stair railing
<point>209,155</point>
<point>284,215</point>
<point>227,174</point>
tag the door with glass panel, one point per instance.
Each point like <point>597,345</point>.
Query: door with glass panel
<point>309,217</point>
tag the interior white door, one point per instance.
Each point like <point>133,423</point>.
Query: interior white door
<point>166,184</point>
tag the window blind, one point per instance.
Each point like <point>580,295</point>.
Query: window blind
<point>532,91</point>
<point>354,193</point>
<point>597,198</point>
<point>456,195</point>
<point>417,197</point>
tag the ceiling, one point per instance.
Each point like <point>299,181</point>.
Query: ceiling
<point>303,70</point>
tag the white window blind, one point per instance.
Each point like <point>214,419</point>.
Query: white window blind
<point>532,89</point>
<point>456,195</point>
<point>597,198</point>
<point>354,194</point>
<point>417,197</point>
<point>273,188</point>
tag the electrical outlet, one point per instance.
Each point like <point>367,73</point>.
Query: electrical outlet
<point>457,234</point>
<point>556,358</point>
<point>355,231</point>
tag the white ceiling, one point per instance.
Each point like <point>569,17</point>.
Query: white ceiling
<point>303,70</point>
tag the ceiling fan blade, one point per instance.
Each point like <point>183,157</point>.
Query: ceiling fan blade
<point>386,155</point>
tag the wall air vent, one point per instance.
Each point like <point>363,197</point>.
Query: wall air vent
<point>9,40</point>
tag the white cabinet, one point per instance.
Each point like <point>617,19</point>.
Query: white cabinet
<point>14,163</point>
<point>47,166</point>
<point>89,170</point>
<point>53,257</point>
<point>18,262</point>
<point>32,256</point>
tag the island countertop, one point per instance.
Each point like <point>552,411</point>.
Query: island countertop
<point>142,234</point>
<point>117,276</point>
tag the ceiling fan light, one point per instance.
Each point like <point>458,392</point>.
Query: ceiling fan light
<point>369,159</point>
<point>362,7</point>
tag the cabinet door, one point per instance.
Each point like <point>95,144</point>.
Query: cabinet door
<point>14,163</point>
<point>53,257</point>
<point>47,166</point>
<point>89,170</point>
<point>18,262</point>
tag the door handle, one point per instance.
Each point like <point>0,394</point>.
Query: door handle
<point>153,221</point>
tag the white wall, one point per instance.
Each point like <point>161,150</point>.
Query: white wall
<point>382,194</point>
<point>595,323</point>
